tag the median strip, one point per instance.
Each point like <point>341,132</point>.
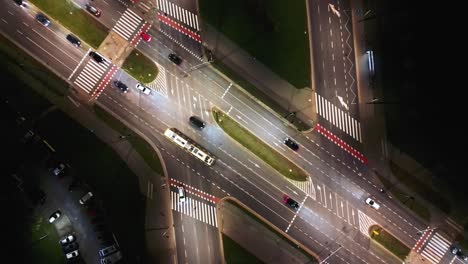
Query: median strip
<point>258,147</point>
<point>389,242</point>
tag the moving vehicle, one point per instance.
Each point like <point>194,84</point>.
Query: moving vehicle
<point>43,19</point>
<point>372,203</point>
<point>86,198</point>
<point>74,40</point>
<point>197,122</point>
<point>143,88</point>
<point>291,202</point>
<point>291,144</point>
<point>175,59</point>
<point>122,86</point>
<point>190,146</point>
<point>145,36</point>
<point>181,190</point>
<point>96,57</point>
<point>93,10</point>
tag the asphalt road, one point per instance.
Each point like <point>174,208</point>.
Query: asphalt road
<point>337,180</point>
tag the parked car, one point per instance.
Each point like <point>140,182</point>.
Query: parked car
<point>372,203</point>
<point>145,36</point>
<point>72,255</point>
<point>143,88</point>
<point>54,216</point>
<point>93,10</point>
<point>107,250</point>
<point>196,121</point>
<point>291,202</point>
<point>175,59</point>
<point>43,19</point>
<point>57,171</point>
<point>113,258</point>
<point>96,57</point>
<point>67,239</point>
<point>74,40</point>
<point>291,144</point>
<point>86,198</point>
<point>121,86</point>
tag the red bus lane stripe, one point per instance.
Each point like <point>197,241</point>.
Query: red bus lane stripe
<point>179,27</point>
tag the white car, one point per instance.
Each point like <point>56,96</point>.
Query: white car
<point>372,203</point>
<point>181,193</point>
<point>72,254</point>
<point>59,169</point>
<point>143,88</point>
<point>54,216</point>
<point>67,239</point>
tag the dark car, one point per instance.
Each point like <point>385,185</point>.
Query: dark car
<point>175,59</point>
<point>74,40</point>
<point>93,10</point>
<point>122,86</point>
<point>69,247</point>
<point>197,122</point>
<point>43,19</point>
<point>291,203</point>
<point>291,144</point>
<point>96,57</point>
<point>20,3</point>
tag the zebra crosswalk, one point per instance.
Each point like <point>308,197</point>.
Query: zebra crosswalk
<point>307,187</point>
<point>365,222</point>
<point>436,248</point>
<point>91,75</point>
<point>338,117</point>
<point>179,13</point>
<point>127,24</point>
<point>194,208</point>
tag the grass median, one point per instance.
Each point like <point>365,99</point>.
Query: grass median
<point>45,248</point>
<point>258,147</point>
<point>389,242</point>
<point>140,67</point>
<point>141,146</point>
<point>76,19</point>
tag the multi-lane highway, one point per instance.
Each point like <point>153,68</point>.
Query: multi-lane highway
<point>332,215</point>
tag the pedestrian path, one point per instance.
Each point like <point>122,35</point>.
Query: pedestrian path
<point>159,84</point>
<point>91,75</point>
<point>435,249</point>
<point>194,208</point>
<point>127,24</point>
<point>339,118</point>
<point>179,13</point>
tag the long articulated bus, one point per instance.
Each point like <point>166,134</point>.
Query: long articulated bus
<point>190,146</point>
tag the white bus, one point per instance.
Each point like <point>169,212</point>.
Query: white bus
<point>190,146</point>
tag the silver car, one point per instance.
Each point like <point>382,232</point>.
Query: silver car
<point>143,88</point>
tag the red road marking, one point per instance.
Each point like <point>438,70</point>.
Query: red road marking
<point>341,143</point>
<point>422,240</point>
<point>195,191</point>
<point>104,82</point>
<point>137,37</point>
<point>179,27</point>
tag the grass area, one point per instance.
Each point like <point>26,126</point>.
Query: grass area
<point>421,188</point>
<point>258,147</point>
<point>272,230</point>
<point>258,94</point>
<point>389,242</point>
<point>28,70</point>
<point>414,205</point>
<point>140,67</point>
<point>235,254</point>
<point>45,248</point>
<point>76,19</point>
<point>140,145</point>
<point>266,30</point>
<point>109,177</point>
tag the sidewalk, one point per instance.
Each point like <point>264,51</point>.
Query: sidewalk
<point>291,99</point>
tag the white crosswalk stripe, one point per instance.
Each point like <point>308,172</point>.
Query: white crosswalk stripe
<point>159,85</point>
<point>365,222</point>
<point>91,75</point>
<point>144,6</point>
<point>128,23</point>
<point>436,248</point>
<point>178,13</point>
<point>340,119</point>
<point>307,187</point>
<point>194,208</point>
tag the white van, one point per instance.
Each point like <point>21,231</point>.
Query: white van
<point>86,197</point>
<point>113,258</point>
